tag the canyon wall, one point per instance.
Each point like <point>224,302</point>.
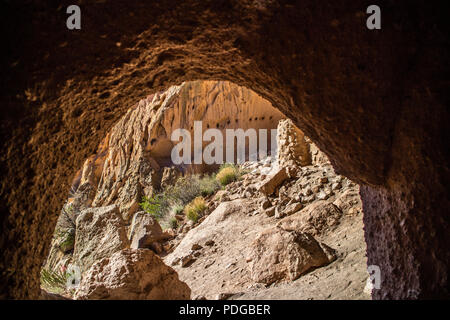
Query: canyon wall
<point>131,159</point>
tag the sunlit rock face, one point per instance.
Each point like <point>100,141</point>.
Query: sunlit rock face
<point>292,147</point>
<point>132,158</point>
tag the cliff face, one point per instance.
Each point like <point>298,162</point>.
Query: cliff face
<point>280,217</point>
<point>133,156</point>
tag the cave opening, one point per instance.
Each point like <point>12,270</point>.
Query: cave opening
<point>275,192</point>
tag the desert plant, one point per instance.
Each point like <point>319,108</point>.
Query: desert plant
<point>227,174</point>
<point>173,223</point>
<point>178,209</point>
<point>184,190</point>
<point>68,215</point>
<point>54,281</point>
<point>195,208</point>
<point>155,205</point>
<point>208,185</point>
<point>176,196</point>
<point>67,239</point>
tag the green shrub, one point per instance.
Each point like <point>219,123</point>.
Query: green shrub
<point>208,185</point>
<point>168,223</point>
<point>155,205</point>
<point>176,196</point>
<point>178,209</point>
<point>184,190</point>
<point>195,208</point>
<point>227,174</point>
<point>173,223</point>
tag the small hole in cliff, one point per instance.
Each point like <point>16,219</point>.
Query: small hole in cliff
<point>153,141</point>
<point>105,95</point>
<point>77,112</point>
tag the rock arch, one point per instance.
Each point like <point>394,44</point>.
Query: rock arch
<point>374,101</point>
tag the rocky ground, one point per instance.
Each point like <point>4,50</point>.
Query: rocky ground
<point>285,227</point>
<point>276,233</point>
<point>213,257</point>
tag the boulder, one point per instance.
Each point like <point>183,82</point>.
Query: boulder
<point>126,178</point>
<point>278,255</point>
<point>292,208</point>
<point>272,182</point>
<point>314,219</point>
<point>144,231</point>
<point>100,232</point>
<point>293,150</point>
<point>132,274</point>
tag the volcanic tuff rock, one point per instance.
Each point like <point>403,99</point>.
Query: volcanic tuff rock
<point>271,183</point>
<point>132,275</point>
<point>315,219</point>
<point>136,154</point>
<point>293,149</point>
<point>100,232</point>
<point>238,248</point>
<point>277,254</point>
<point>144,230</point>
<point>170,176</point>
<point>133,163</point>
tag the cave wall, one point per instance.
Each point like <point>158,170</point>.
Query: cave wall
<point>375,102</point>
